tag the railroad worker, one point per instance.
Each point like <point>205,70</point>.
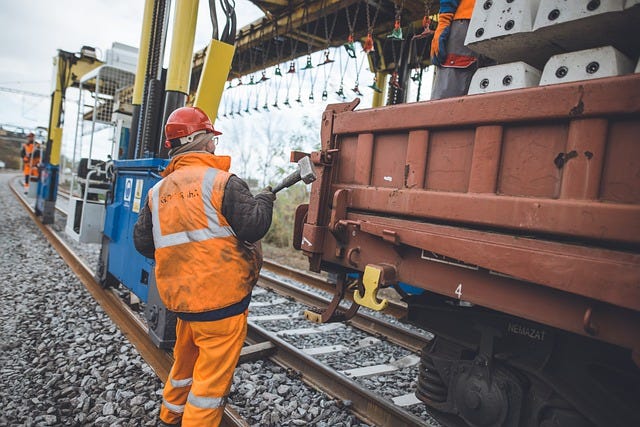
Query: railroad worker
<point>26,153</point>
<point>36,155</point>
<point>202,226</point>
<point>455,63</point>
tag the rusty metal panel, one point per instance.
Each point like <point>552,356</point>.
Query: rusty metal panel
<point>389,155</point>
<point>611,222</point>
<point>416,163</point>
<point>621,176</point>
<point>609,96</point>
<point>449,161</point>
<point>534,193</point>
<point>485,164</point>
<point>601,274</point>
<point>616,325</point>
<point>583,160</point>
<point>528,154</point>
<point>344,165</point>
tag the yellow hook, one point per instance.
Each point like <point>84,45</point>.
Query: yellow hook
<point>371,280</point>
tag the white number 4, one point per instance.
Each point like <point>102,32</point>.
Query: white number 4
<point>459,291</point>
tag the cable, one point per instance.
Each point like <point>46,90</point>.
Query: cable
<point>229,33</point>
<point>214,19</point>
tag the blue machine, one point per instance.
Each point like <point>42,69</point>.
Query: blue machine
<point>47,192</point>
<point>133,180</point>
<point>120,262</point>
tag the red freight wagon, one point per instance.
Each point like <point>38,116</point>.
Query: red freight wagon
<point>518,214</point>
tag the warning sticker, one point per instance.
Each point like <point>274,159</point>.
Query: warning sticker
<point>138,196</point>
<point>128,186</point>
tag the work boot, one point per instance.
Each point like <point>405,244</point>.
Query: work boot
<point>163,424</point>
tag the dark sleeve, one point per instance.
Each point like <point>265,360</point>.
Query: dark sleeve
<point>249,216</point>
<point>143,233</point>
<point>23,152</point>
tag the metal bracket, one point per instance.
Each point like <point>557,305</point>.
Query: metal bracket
<point>296,156</point>
<point>332,313</point>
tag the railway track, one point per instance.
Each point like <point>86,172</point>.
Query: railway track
<point>125,319</point>
<point>368,406</point>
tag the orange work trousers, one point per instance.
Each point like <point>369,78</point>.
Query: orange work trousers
<point>206,354</point>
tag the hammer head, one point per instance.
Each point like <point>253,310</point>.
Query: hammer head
<point>307,173</point>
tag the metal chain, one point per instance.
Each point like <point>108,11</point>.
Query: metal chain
<point>292,42</point>
<point>371,24</point>
<point>329,34</point>
<point>350,24</point>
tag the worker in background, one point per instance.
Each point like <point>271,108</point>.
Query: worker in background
<point>202,226</point>
<point>36,155</point>
<point>26,153</point>
<point>455,63</point>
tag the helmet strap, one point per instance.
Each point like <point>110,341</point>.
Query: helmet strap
<point>179,142</point>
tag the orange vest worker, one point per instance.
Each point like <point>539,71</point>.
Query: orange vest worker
<point>205,265</point>
<point>26,153</point>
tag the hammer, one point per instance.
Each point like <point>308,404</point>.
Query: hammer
<point>305,173</point>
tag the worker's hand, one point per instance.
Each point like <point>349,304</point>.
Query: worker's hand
<point>267,193</point>
<point>439,42</point>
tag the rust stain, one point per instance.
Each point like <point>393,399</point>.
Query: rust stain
<point>406,175</point>
<point>579,107</point>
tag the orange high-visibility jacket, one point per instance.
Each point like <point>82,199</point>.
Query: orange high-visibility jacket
<point>464,10</point>
<point>200,264</point>
<point>35,161</point>
<point>26,151</point>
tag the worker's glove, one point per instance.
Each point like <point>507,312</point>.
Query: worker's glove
<point>439,42</point>
<point>267,194</point>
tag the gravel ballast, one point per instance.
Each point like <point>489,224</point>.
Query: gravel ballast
<point>62,361</point>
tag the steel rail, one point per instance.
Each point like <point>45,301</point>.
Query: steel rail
<point>401,336</point>
<point>372,408</point>
<point>393,308</point>
<point>126,320</point>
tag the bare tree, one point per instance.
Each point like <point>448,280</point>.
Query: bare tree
<point>240,145</point>
<point>271,147</point>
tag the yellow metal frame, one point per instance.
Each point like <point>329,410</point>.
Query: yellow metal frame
<point>69,69</point>
<point>141,69</point>
<point>184,32</point>
<point>214,75</point>
<point>378,97</point>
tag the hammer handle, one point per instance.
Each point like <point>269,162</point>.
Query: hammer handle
<point>287,182</point>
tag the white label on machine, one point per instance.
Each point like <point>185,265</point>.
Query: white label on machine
<point>128,185</point>
<point>138,196</point>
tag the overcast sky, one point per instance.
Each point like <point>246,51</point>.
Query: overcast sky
<point>31,32</point>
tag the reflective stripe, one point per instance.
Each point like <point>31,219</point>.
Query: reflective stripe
<point>181,383</point>
<point>206,402</point>
<point>213,230</point>
<point>209,210</point>
<point>178,409</point>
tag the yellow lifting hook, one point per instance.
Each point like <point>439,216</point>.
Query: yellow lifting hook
<point>371,281</point>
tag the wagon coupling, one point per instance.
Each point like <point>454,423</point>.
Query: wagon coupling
<point>373,277</point>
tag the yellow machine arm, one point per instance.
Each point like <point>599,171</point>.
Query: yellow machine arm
<point>68,68</point>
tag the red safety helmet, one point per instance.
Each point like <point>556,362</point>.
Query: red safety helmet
<point>185,121</point>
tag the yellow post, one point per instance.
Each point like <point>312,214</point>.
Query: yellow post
<point>184,33</point>
<point>55,131</point>
<point>378,97</point>
<point>68,70</point>
<point>143,53</point>
<point>214,74</point>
